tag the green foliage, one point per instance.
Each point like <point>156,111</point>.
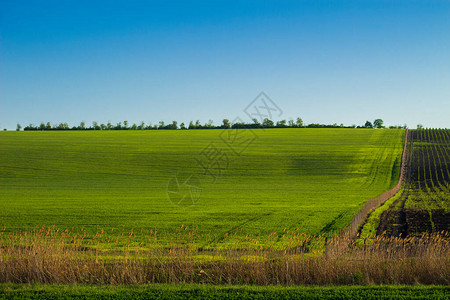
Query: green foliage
<point>197,291</point>
<point>226,124</point>
<point>267,123</point>
<point>378,123</point>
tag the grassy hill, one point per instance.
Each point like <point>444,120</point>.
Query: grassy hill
<point>262,181</point>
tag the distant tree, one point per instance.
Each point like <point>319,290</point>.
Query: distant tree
<point>4,129</point>
<point>419,126</point>
<point>226,124</point>
<point>174,125</point>
<point>239,125</point>
<point>255,124</point>
<point>378,123</point>
<point>267,123</point>
<point>281,124</point>
<point>96,126</point>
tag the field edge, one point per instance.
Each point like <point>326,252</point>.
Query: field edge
<point>197,291</point>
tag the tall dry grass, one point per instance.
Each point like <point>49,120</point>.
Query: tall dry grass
<point>48,255</point>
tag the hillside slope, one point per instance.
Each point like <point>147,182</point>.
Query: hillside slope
<point>221,181</point>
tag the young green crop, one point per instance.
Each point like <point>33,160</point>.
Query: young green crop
<point>429,182</point>
<point>203,291</point>
<point>424,205</point>
<point>310,179</point>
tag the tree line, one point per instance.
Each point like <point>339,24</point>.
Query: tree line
<point>226,124</point>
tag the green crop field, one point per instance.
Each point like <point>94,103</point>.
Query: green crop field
<point>262,181</point>
<point>424,204</point>
<point>429,182</point>
<point>192,291</point>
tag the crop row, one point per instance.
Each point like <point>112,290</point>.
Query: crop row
<point>429,175</point>
<point>424,204</point>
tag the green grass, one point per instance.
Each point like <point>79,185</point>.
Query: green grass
<point>310,179</point>
<point>15,291</point>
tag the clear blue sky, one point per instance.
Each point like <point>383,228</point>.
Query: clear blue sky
<point>325,61</point>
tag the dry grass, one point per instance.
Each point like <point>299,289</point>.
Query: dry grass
<point>47,255</point>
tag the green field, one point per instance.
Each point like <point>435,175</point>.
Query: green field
<point>310,179</point>
<point>15,291</point>
<point>429,182</point>
<point>424,203</point>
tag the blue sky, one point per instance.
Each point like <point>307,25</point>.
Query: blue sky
<point>324,61</point>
